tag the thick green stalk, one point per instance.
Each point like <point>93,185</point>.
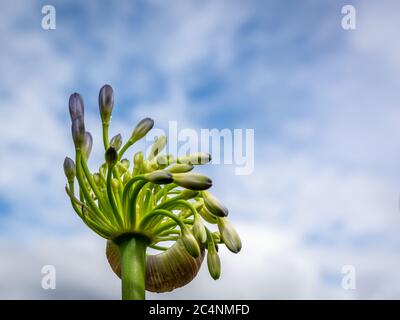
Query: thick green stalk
<point>132,250</point>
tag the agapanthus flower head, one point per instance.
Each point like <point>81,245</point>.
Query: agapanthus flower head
<point>157,202</point>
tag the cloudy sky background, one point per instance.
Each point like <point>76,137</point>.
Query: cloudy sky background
<point>323,101</point>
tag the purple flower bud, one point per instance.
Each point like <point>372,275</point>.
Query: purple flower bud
<point>141,129</point>
<point>106,102</point>
<point>78,132</point>
<point>69,169</point>
<point>87,145</point>
<point>76,108</point>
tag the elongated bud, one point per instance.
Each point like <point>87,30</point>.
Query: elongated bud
<point>193,181</point>
<point>195,158</point>
<point>97,179</point>
<point>199,230</point>
<point>181,168</point>
<point>69,169</point>
<point>213,264</point>
<point>158,146</point>
<point>138,159</point>
<point>159,177</point>
<point>190,243</point>
<point>78,132</point>
<point>229,235</point>
<point>111,157</point>
<point>87,145</point>
<point>141,129</point>
<point>214,205</point>
<point>187,194</point>
<point>207,215</point>
<point>76,108</point>
<point>116,141</point>
<point>106,102</point>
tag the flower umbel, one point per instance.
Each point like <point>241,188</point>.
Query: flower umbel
<point>158,203</point>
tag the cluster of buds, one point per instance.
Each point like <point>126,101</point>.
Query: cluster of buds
<point>158,198</point>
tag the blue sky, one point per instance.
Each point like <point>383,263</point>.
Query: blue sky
<point>323,102</point>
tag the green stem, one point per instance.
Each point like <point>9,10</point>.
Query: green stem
<point>105,135</point>
<point>132,250</point>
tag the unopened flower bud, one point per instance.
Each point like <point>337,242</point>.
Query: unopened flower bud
<point>125,163</point>
<point>76,108</point>
<point>111,157</point>
<point>106,102</point>
<point>199,230</point>
<point>87,145</point>
<point>116,141</point>
<point>97,179</point>
<point>141,129</point>
<point>229,235</point>
<point>158,145</point>
<point>181,168</point>
<point>78,132</point>
<point>115,183</point>
<point>214,205</point>
<point>213,264</point>
<point>126,178</point>
<point>69,169</point>
<point>159,177</point>
<point>207,215</point>
<point>190,243</point>
<point>138,159</point>
<point>195,158</point>
<point>193,181</point>
<point>187,194</point>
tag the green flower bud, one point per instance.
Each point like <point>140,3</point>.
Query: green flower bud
<point>217,236</point>
<point>126,178</point>
<point>69,169</point>
<point>162,161</point>
<point>87,145</point>
<point>229,235</point>
<point>106,102</point>
<point>97,179</point>
<point>207,215</point>
<point>190,243</point>
<point>158,146</point>
<point>213,264</point>
<point>187,194</point>
<point>125,163</point>
<point>193,181</point>
<point>195,158</point>
<point>138,159</point>
<point>111,157</point>
<point>78,132</point>
<point>159,177</point>
<point>115,183</point>
<point>199,230</point>
<point>116,141</point>
<point>214,205</point>
<point>141,129</point>
<point>181,168</point>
